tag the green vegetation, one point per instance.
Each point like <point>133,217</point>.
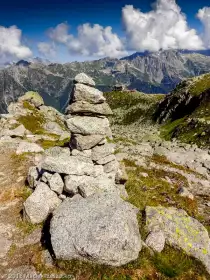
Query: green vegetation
<point>33,121</point>
<point>27,228</point>
<point>160,266</point>
<point>200,85</point>
<point>46,144</point>
<point>130,107</point>
<point>154,190</point>
<point>164,161</point>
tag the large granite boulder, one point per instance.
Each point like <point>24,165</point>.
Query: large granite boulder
<point>180,231</point>
<point>101,228</point>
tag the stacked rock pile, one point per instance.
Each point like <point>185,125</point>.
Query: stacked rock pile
<point>83,187</point>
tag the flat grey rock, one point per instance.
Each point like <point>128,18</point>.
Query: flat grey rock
<point>26,147</point>
<point>83,107</point>
<point>86,125</point>
<point>89,94</point>
<point>68,165</point>
<point>101,152</point>
<point>88,185</point>
<point>81,142</point>
<point>57,152</point>
<point>101,228</point>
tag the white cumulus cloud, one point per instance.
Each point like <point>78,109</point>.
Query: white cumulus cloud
<point>164,27</point>
<point>96,40</point>
<point>47,49</point>
<point>11,46</point>
<point>204,16</point>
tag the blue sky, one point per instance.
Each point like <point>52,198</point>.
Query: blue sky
<point>34,18</point>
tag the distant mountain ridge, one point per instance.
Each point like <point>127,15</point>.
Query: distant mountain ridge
<point>157,72</point>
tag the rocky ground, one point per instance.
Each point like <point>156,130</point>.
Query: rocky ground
<point>168,181</point>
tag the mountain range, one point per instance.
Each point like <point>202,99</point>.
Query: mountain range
<point>157,72</point>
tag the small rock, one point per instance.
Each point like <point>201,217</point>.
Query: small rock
<point>40,204</point>
<point>56,183</point>
<point>81,142</point>
<point>46,176</point>
<point>33,175</point>
<point>58,152</point>
<point>26,147</point>
<point>84,79</point>
<point>156,241</point>
<point>101,152</point>
<point>47,258</point>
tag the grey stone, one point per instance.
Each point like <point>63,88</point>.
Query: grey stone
<point>88,185</point>
<point>84,153</point>
<point>40,204</point>
<point>88,108</point>
<point>101,152</point>
<point>26,147</point>
<point>33,175</point>
<point>156,241</point>
<point>57,152</point>
<point>86,125</point>
<point>100,228</point>
<point>46,176</point>
<point>106,160</point>
<point>19,131</point>
<point>85,93</point>
<point>53,127</point>
<point>71,184</point>
<point>68,165</point>
<point>111,166</point>
<point>81,142</point>
<point>82,78</point>
<point>180,231</point>
<point>56,183</point>
<point>122,191</point>
<point>62,197</point>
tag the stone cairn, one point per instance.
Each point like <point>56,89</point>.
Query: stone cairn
<point>83,187</point>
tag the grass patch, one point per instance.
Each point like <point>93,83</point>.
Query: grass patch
<point>154,190</point>
<point>27,228</point>
<point>46,144</point>
<point>167,130</point>
<point>166,265</point>
<point>159,159</point>
<point>200,85</point>
<point>12,250</point>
